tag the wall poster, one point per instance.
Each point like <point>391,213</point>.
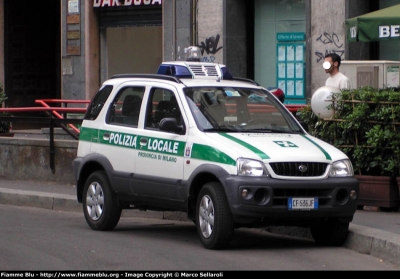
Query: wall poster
<point>291,66</point>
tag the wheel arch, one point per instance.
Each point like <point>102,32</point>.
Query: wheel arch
<point>200,176</point>
<point>90,164</point>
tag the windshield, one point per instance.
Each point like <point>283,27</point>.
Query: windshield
<point>239,110</point>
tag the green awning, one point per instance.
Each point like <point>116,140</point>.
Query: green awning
<point>380,25</point>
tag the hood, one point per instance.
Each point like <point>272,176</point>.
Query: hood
<point>277,147</point>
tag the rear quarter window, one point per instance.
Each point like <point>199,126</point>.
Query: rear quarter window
<point>125,108</point>
<point>97,102</point>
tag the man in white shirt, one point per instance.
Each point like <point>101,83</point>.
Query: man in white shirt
<point>336,78</point>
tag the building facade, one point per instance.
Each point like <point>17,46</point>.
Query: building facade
<point>68,52</point>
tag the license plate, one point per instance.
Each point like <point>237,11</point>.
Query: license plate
<point>302,203</point>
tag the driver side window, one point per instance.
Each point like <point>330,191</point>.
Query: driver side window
<point>162,104</point>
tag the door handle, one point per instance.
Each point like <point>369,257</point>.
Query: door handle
<point>106,136</point>
<point>143,142</point>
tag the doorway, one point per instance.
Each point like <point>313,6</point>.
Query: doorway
<point>32,52</point>
<point>134,50</point>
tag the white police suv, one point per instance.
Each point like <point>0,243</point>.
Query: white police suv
<point>224,150</point>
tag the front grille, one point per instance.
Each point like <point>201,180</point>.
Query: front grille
<point>205,71</point>
<point>300,169</point>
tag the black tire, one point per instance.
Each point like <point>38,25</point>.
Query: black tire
<point>100,204</point>
<point>331,232</point>
<point>214,221</point>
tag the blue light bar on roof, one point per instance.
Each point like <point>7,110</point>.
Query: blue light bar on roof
<point>174,70</point>
<point>226,74</point>
<point>180,71</point>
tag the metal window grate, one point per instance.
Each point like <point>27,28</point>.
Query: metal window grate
<point>310,169</point>
<point>205,71</point>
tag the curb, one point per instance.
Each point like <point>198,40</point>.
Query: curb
<point>66,202</point>
<point>52,201</point>
<point>364,240</point>
<point>374,242</point>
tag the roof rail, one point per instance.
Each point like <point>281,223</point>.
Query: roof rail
<point>155,76</point>
<point>245,80</point>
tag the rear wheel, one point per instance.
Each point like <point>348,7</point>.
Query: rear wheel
<point>100,204</point>
<point>331,232</point>
<point>213,218</point>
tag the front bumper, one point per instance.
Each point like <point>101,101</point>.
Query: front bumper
<point>267,199</point>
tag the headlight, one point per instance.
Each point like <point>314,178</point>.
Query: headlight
<point>250,167</point>
<point>341,168</point>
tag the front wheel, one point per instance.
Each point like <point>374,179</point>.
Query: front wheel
<point>213,218</point>
<point>331,232</point>
<point>100,204</point>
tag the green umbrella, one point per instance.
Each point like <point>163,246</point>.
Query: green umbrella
<point>380,25</point>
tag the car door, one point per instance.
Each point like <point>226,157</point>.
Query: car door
<point>119,134</point>
<point>160,160</point>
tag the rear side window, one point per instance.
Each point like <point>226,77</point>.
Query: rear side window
<point>125,108</point>
<point>97,102</point>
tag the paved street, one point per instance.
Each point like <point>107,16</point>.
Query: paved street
<point>373,233</point>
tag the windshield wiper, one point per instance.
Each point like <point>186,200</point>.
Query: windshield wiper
<point>268,130</point>
<point>221,129</point>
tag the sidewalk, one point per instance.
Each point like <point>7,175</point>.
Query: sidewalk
<point>372,232</point>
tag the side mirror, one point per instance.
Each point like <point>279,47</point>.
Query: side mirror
<point>170,124</point>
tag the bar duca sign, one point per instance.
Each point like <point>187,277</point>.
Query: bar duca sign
<point>117,3</point>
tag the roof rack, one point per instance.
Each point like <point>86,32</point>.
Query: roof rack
<point>155,76</point>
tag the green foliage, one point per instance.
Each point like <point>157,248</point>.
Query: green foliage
<point>365,126</point>
<point>3,96</point>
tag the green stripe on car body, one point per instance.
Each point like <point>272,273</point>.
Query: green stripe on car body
<point>257,151</point>
<point>209,153</point>
<point>156,145</point>
<point>88,134</point>
<point>119,139</point>
<point>327,156</point>
<point>160,145</point>
<point>163,146</point>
